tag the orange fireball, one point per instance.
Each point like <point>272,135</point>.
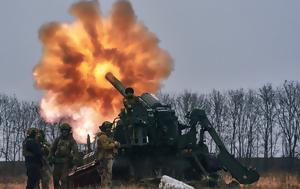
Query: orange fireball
<point>76,56</point>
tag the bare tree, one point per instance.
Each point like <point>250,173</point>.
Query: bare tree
<point>236,107</point>
<point>217,111</point>
<point>288,110</point>
<point>297,109</point>
<point>268,109</point>
<point>251,122</point>
<point>167,98</point>
<point>7,127</point>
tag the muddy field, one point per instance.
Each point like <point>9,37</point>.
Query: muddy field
<point>267,181</point>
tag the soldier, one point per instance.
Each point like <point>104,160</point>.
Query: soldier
<point>106,149</point>
<point>129,101</point>
<point>45,172</point>
<point>33,158</point>
<point>64,154</point>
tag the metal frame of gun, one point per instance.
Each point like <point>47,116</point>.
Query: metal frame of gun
<point>242,174</point>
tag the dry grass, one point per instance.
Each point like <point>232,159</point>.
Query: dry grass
<point>268,181</point>
<point>277,181</point>
<point>22,186</point>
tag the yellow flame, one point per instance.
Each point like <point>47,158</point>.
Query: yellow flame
<point>100,71</point>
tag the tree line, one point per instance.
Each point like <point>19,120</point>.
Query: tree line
<point>16,117</point>
<point>252,123</point>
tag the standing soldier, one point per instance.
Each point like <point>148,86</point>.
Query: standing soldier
<point>45,172</point>
<point>106,149</point>
<point>64,155</point>
<point>129,101</point>
<point>33,158</point>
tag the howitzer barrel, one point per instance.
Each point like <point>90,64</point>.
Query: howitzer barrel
<point>115,82</point>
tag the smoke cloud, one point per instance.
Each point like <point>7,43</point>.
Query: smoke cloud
<point>76,56</point>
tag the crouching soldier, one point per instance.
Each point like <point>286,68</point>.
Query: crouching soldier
<point>106,149</point>
<point>33,158</point>
<point>63,154</point>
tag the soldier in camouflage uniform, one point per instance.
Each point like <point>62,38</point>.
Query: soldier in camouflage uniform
<point>129,101</point>
<point>45,172</point>
<point>33,158</point>
<point>106,149</point>
<point>64,155</point>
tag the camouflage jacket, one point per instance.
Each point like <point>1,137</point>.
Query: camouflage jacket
<point>129,103</point>
<point>64,150</point>
<point>106,146</point>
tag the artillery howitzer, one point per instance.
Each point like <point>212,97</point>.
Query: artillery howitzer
<point>153,144</point>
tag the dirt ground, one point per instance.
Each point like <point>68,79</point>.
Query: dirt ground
<point>267,181</point>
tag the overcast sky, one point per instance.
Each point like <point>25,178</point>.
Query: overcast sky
<point>215,44</point>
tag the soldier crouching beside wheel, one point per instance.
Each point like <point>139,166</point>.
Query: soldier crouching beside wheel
<point>106,149</point>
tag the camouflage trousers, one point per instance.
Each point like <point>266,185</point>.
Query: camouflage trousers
<point>45,178</point>
<point>106,173</point>
<point>60,175</point>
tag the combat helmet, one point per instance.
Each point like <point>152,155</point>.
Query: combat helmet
<point>32,131</point>
<point>65,126</point>
<point>106,126</point>
<point>129,90</point>
<point>41,135</point>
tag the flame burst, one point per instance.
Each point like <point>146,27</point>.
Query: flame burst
<point>76,56</point>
